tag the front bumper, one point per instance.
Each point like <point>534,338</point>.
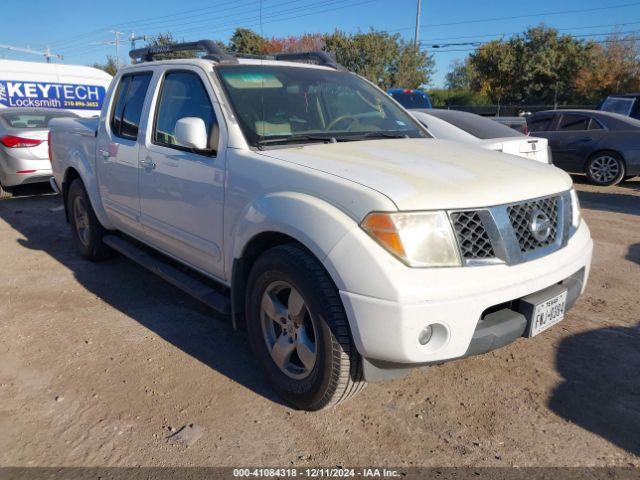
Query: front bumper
<point>387,330</point>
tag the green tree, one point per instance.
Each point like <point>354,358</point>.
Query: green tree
<point>459,76</point>
<point>385,59</point>
<point>539,66</point>
<point>111,66</point>
<point>168,39</point>
<point>247,41</point>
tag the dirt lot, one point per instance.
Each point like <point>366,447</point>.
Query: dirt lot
<point>101,363</point>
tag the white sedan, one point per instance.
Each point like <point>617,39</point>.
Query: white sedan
<point>471,128</point>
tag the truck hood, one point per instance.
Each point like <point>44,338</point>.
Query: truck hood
<point>421,174</point>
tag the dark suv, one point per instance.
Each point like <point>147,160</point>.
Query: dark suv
<point>627,104</point>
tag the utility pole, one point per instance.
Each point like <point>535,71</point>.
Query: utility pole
<point>416,38</point>
<point>133,39</point>
<point>46,54</point>
<point>117,42</point>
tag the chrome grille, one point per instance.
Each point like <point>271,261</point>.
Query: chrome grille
<point>520,217</point>
<point>473,239</point>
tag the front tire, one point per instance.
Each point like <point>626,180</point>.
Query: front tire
<point>605,169</point>
<point>298,330</point>
<point>86,230</point>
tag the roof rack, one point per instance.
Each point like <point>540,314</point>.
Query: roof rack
<point>212,49</point>
<point>316,57</point>
<point>214,52</point>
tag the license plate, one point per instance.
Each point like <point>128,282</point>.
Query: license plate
<point>548,313</point>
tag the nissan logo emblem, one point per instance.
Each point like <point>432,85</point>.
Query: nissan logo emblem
<point>539,225</point>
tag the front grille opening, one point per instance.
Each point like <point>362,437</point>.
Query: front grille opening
<point>472,236</point>
<point>520,217</point>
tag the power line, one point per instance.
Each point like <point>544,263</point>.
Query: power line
<point>494,19</point>
<point>503,34</point>
<point>471,49</point>
<point>479,42</point>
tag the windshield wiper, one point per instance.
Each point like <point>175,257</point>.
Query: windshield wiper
<point>376,135</point>
<point>295,139</point>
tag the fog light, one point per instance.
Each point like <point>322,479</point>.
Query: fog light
<point>425,335</point>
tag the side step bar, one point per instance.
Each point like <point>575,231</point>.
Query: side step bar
<point>194,287</point>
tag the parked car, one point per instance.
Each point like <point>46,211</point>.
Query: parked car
<point>604,146</point>
<point>306,204</point>
<point>24,155</point>
<point>483,132</point>
<point>623,104</point>
<point>409,98</point>
<point>519,124</point>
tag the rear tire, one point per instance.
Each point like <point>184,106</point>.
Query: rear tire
<point>605,169</point>
<point>298,330</point>
<point>86,230</point>
<point>5,192</point>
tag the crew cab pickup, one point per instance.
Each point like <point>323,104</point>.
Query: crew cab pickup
<point>309,206</point>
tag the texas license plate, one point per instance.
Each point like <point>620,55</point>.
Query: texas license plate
<point>548,313</point>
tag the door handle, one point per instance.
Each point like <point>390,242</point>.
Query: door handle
<point>104,153</point>
<point>147,164</point>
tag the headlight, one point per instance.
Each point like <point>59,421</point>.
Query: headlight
<point>419,239</point>
<point>575,209</point>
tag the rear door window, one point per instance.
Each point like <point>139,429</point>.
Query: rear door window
<point>540,124</point>
<point>572,123</point>
<point>125,119</point>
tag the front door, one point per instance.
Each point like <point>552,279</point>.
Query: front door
<point>182,190</point>
<point>118,150</point>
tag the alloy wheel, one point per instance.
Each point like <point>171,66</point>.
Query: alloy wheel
<point>81,220</point>
<point>289,330</point>
<point>604,169</point>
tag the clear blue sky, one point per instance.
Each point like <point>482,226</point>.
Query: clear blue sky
<point>75,28</point>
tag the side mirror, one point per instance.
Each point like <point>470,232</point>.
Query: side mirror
<point>192,132</point>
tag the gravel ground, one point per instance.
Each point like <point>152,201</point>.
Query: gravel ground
<point>107,365</point>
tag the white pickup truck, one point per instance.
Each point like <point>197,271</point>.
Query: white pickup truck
<point>306,204</point>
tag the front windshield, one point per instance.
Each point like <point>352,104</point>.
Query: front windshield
<point>279,105</point>
<point>618,105</point>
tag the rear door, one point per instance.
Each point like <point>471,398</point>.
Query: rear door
<point>182,190</point>
<point>574,137</point>
<point>118,149</point>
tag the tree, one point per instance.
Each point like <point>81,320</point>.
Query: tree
<point>167,39</point>
<point>384,59</point>
<point>247,41</point>
<point>459,77</point>
<point>111,66</point>
<point>539,66</point>
<point>614,67</point>
<point>304,43</point>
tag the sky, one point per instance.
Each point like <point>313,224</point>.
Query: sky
<point>79,29</point>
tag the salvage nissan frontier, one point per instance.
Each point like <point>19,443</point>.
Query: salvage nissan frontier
<point>307,205</point>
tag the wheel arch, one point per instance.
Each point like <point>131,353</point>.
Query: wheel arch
<point>276,219</point>
<point>79,167</point>
<point>600,151</point>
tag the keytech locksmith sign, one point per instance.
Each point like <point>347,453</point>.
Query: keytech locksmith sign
<point>51,95</point>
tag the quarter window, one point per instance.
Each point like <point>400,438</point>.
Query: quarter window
<point>125,119</point>
<point>183,95</point>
